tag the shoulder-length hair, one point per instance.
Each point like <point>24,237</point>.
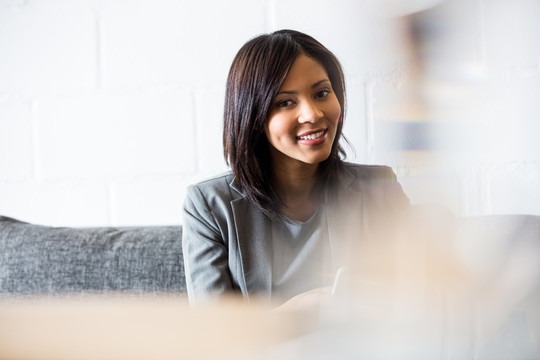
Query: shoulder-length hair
<point>255,76</point>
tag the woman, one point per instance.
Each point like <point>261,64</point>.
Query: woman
<point>280,223</point>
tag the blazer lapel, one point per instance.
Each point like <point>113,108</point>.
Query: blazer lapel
<point>253,236</point>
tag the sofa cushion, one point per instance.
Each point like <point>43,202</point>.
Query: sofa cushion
<point>37,259</point>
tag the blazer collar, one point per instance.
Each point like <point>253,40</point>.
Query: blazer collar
<point>236,186</point>
<point>345,179</point>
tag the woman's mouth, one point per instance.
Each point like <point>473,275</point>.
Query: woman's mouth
<point>312,136</point>
<point>313,139</point>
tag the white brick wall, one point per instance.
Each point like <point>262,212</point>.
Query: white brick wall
<point>16,150</point>
<point>109,109</point>
<point>47,47</point>
<point>144,132</point>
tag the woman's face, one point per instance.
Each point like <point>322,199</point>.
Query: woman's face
<point>302,124</point>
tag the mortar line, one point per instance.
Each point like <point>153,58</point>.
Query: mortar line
<point>37,166</point>
<point>196,131</point>
<point>270,16</point>
<point>98,60</point>
<point>111,204</point>
<point>482,45</point>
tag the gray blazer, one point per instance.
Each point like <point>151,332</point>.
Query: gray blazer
<point>226,238</point>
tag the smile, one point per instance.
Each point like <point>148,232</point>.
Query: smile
<point>312,136</point>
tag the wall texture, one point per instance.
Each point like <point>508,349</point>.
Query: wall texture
<point>109,109</point>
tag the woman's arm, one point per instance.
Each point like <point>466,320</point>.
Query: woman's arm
<point>204,249</point>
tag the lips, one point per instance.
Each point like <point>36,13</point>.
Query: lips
<point>312,135</point>
<point>313,138</point>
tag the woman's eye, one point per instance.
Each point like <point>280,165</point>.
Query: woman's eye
<point>283,103</point>
<point>322,93</point>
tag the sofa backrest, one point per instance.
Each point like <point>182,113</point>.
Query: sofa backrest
<point>37,259</point>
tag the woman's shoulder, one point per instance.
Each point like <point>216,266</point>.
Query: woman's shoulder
<point>377,180</point>
<point>215,181</point>
<point>365,172</point>
<point>213,184</point>
<point>216,188</point>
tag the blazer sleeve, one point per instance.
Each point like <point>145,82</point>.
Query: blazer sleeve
<point>204,250</point>
<point>396,193</point>
<point>381,187</point>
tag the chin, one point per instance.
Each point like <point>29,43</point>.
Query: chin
<point>316,160</point>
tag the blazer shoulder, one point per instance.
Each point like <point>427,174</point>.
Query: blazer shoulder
<point>366,172</point>
<point>216,189</point>
<point>217,181</point>
<point>376,181</point>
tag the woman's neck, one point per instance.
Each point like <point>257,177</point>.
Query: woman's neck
<point>298,188</point>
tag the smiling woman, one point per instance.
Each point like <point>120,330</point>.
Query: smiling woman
<point>300,130</point>
<point>258,74</point>
<point>302,124</point>
<point>287,215</point>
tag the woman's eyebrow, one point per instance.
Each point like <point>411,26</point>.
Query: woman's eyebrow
<point>312,86</point>
<point>319,83</point>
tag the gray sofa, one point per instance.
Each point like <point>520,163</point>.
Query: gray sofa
<point>42,260</point>
<point>36,259</point>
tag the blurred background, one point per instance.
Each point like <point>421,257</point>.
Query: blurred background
<point>109,109</point>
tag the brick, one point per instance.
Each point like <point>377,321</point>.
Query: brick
<point>502,125</point>
<point>209,123</point>
<point>185,43</point>
<point>474,193</point>
<point>116,134</point>
<point>58,203</point>
<point>432,187</point>
<point>354,127</point>
<point>514,189</point>
<point>364,42</point>
<point>47,47</point>
<point>13,2</point>
<point>512,34</point>
<point>148,200</point>
<point>16,151</point>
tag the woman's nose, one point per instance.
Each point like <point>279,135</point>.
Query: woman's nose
<point>310,112</point>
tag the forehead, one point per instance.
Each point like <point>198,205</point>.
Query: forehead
<point>304,71</point>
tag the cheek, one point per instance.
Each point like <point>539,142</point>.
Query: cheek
<point>334,111</point>
<point>277,127</point>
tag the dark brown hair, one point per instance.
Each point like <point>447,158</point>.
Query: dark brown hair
<point>255,76</point>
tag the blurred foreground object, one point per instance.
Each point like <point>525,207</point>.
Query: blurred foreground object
<point>462,288</point>
<point>133,328</point>
<point>459,117</point>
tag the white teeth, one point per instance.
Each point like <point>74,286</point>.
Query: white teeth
<point>311,136</point>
